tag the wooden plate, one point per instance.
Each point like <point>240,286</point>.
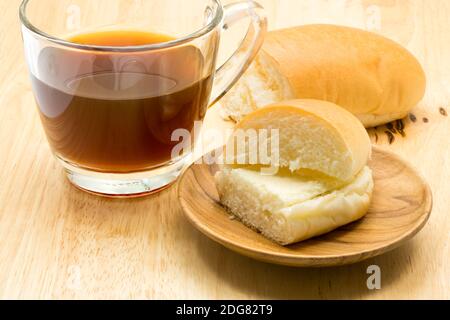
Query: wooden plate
<point>400,208</point>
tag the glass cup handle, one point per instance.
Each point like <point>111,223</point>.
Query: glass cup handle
<point>230,72</point>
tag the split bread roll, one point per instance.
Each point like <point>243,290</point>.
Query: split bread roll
<point>371,76</point>
<point>323,181</point>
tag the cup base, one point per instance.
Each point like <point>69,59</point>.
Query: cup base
<point>124,185</point>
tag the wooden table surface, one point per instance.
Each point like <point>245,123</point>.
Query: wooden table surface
<point>58,242</point>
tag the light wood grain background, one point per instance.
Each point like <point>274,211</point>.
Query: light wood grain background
<point>57,242</point>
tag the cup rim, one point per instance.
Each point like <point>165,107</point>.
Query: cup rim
<point>157,46</point>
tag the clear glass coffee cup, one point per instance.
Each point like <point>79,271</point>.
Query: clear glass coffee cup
<point>113,79</point>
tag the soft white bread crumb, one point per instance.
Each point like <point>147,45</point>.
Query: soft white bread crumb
<point>369,75</point>
<point>313,135</point>
<point>259,86</point>
<point>282,190</point>
<point>289,209</point>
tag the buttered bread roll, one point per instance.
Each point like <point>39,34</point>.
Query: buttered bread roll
<point>371,76</point>
<point>322,181</point>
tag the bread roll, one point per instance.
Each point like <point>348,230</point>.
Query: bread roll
<point>369,75</point>
<point>250,197</point>
<point>323,181</point>
<point>314,135</point>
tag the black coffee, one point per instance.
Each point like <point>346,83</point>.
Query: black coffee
<point>116,112</point>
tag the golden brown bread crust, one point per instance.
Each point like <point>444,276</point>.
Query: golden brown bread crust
<point>367,74</point>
